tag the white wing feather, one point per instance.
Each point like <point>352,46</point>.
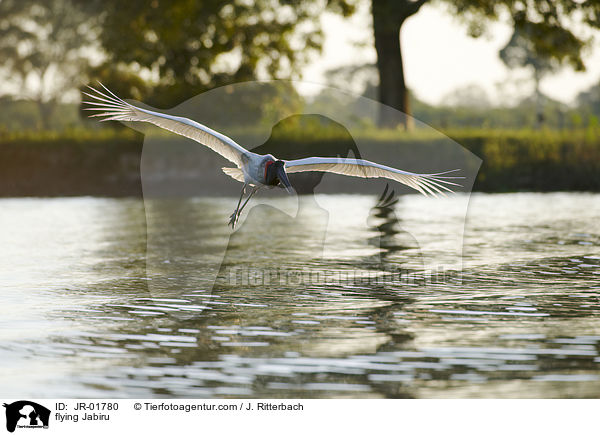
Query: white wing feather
<point>424,183</point>
<point>235,173</point>
<point>112,108</point>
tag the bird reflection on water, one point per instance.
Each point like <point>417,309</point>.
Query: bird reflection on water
<point>392,239</point>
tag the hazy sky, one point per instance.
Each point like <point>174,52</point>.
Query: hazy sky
<point>439,57</point>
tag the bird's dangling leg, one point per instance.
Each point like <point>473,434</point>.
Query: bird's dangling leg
<point>233,218</point>
<point>254,190</point>
<point>238,212</point>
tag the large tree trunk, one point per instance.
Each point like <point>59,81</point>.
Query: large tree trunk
<point>388,17</point>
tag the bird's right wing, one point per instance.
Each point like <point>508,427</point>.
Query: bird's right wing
<point>112,108</point>
<point>424,183</point>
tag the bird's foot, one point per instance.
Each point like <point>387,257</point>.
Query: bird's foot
<point>233,219</point>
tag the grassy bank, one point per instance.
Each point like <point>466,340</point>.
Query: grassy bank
<point>103,163</point>
<point>534,160</point>
<point>107,162</point>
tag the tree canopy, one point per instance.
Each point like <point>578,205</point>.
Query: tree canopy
<point>551,29</point>
<point>164,52</point>
<point>190,46</point>
<point>45,50</point>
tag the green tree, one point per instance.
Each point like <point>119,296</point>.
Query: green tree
<point>588,101</point>
<point>468,96</point>
<point>520,52</point>
<point>548,26</point>
<point>190,46</point>
<point>44,48</point>
<point>360,77</point>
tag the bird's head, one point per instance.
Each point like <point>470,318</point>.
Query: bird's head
<point>275,175</point>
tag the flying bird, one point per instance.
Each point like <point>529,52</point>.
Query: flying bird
<point>256,171</point>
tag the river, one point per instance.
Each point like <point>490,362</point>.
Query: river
<point>326,296</point>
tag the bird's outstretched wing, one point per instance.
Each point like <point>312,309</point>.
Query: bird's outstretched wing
<point>112,108</point>
<point>424,183</point>
<point>235,173</point>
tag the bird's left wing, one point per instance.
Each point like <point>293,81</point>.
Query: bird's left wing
<point>424,183</point>
<point>112,108</point>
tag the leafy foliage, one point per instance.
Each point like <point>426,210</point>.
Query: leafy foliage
<point>549,28</point>
<point>44,48</point>
<point>191,46</point>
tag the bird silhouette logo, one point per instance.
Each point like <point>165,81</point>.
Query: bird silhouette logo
<point>26,414</point>
<point>189,194</point>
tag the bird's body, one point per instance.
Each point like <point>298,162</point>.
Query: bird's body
<point>256,170</point>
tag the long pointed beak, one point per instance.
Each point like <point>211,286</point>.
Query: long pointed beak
<point>283,178</point>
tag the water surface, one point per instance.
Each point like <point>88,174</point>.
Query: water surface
<point>117,298</point>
